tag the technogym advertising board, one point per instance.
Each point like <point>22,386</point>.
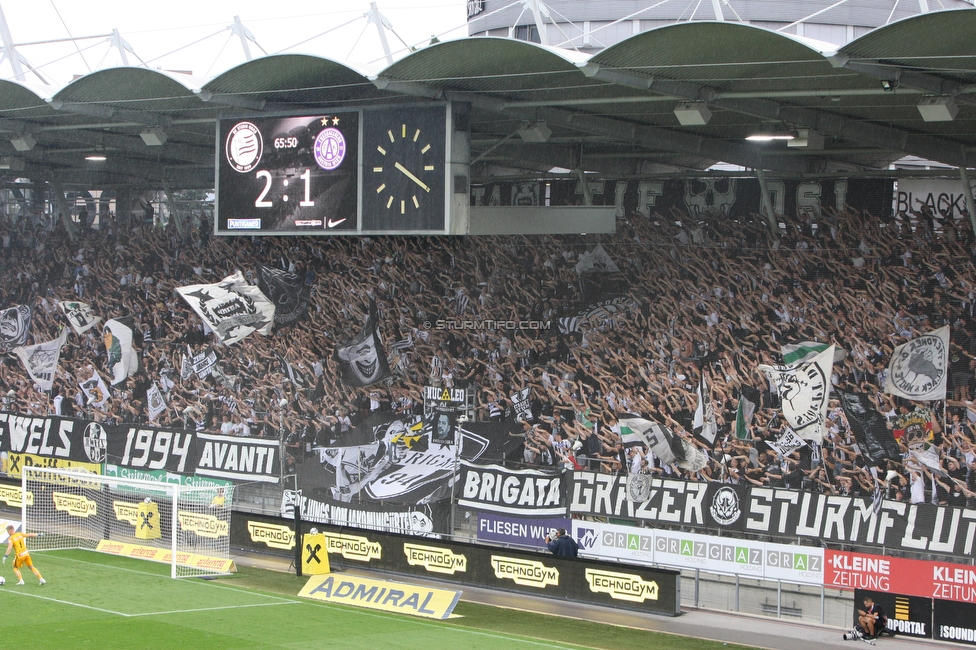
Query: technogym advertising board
<point>643,589</point>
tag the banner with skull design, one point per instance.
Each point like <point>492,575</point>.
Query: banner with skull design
<point>14,326</point>
<point>363,359</point>
<point>918,370</point>
<point>287,291</point>
<point>232,308</point>
<point>804,389</point>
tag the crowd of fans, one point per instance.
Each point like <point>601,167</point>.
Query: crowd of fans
<point>716,296</point>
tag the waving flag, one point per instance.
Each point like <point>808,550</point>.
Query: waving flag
<point>804,389</point>
<point>287,291</point>
<point>918,369</point>
<point>41,360</point>
<point>666,445</point>
<point>232,307</point>
<point>704,427</point>
<point>156,401</point>
<point>79,315</point>
<point>14,326</point>
<point>870,428</point>
<point>123,359</point>
<point>363,359</point>
<point>95,389</point>
<point>749,399</point>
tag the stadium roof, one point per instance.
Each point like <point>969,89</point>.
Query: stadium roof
<point>612,112</point>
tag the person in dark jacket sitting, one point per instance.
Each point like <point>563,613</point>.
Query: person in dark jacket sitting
<point>562,544</point>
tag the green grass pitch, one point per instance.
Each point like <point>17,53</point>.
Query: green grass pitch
<point>104,602</point>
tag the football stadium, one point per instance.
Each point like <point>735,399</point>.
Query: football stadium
<point>492,323</point>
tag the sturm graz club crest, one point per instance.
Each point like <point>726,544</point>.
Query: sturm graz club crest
<point>725,507</point>
<point>919,366</point>
<point>95,442</point>
<point>638,488</point>
<point>805,390</point>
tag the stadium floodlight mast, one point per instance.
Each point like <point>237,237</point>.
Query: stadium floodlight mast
<point>187,527</point>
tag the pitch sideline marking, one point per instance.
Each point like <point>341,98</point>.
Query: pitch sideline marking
<point>210,585</point>
<point>64,602</point>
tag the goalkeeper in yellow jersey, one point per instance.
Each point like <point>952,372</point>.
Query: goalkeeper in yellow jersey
<point>18,544</point>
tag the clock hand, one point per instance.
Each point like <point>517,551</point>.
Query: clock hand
<point>406,172</point>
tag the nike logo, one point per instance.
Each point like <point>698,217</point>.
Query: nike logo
<point>333,224</point>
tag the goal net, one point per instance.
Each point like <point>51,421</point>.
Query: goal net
<point>185,527</point>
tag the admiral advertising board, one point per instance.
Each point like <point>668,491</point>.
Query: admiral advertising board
<point>779,512</point>
<point>645,589</point>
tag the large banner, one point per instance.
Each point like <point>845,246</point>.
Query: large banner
<point>731,197</point>
<point>517,492</point>
<point>400,460</point>
<point>45,440</point>
<point>237,458</point>
<point>425,521</point>
<point>779,512</point>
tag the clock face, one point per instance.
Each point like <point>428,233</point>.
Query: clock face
<point>404,162</point>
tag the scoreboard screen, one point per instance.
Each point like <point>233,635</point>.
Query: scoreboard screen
<point>336,172</point>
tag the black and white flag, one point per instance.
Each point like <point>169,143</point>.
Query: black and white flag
<point>918,369</point>
<point>14,326</point>
<point>95,389</point>
<point>288,292</point>
<point>296,377</point>
<point>156,401</point>
<point>123,358</point>
<point>666,445</point>
<point>787,443</point>
<point>41,360</point>
<point>232,308</point>
<point>362,359</point>
<point>79,315</point>
<point>804,389</point>
<point>596,261</point>
<point>521,404</point>
<point>870,428</point>
<point>597,314</point>
<point>704,426</point>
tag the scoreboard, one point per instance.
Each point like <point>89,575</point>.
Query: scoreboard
<point>365,171</point>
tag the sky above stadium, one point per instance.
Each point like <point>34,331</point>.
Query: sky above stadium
<point>193,35</point>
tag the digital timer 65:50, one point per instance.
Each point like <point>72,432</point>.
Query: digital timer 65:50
<point>285,143</point>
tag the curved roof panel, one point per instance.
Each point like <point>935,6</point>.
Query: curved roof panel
<point>295,79</point>
<point>939,41</point>
<point>488,64</point>
<point>15,97</point>
<point>133,88</point>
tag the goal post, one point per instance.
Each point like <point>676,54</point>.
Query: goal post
<point>187,527</point>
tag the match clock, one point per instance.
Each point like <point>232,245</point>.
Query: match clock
<point>404,165</point>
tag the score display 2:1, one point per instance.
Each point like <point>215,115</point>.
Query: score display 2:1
<point>289,174</point>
